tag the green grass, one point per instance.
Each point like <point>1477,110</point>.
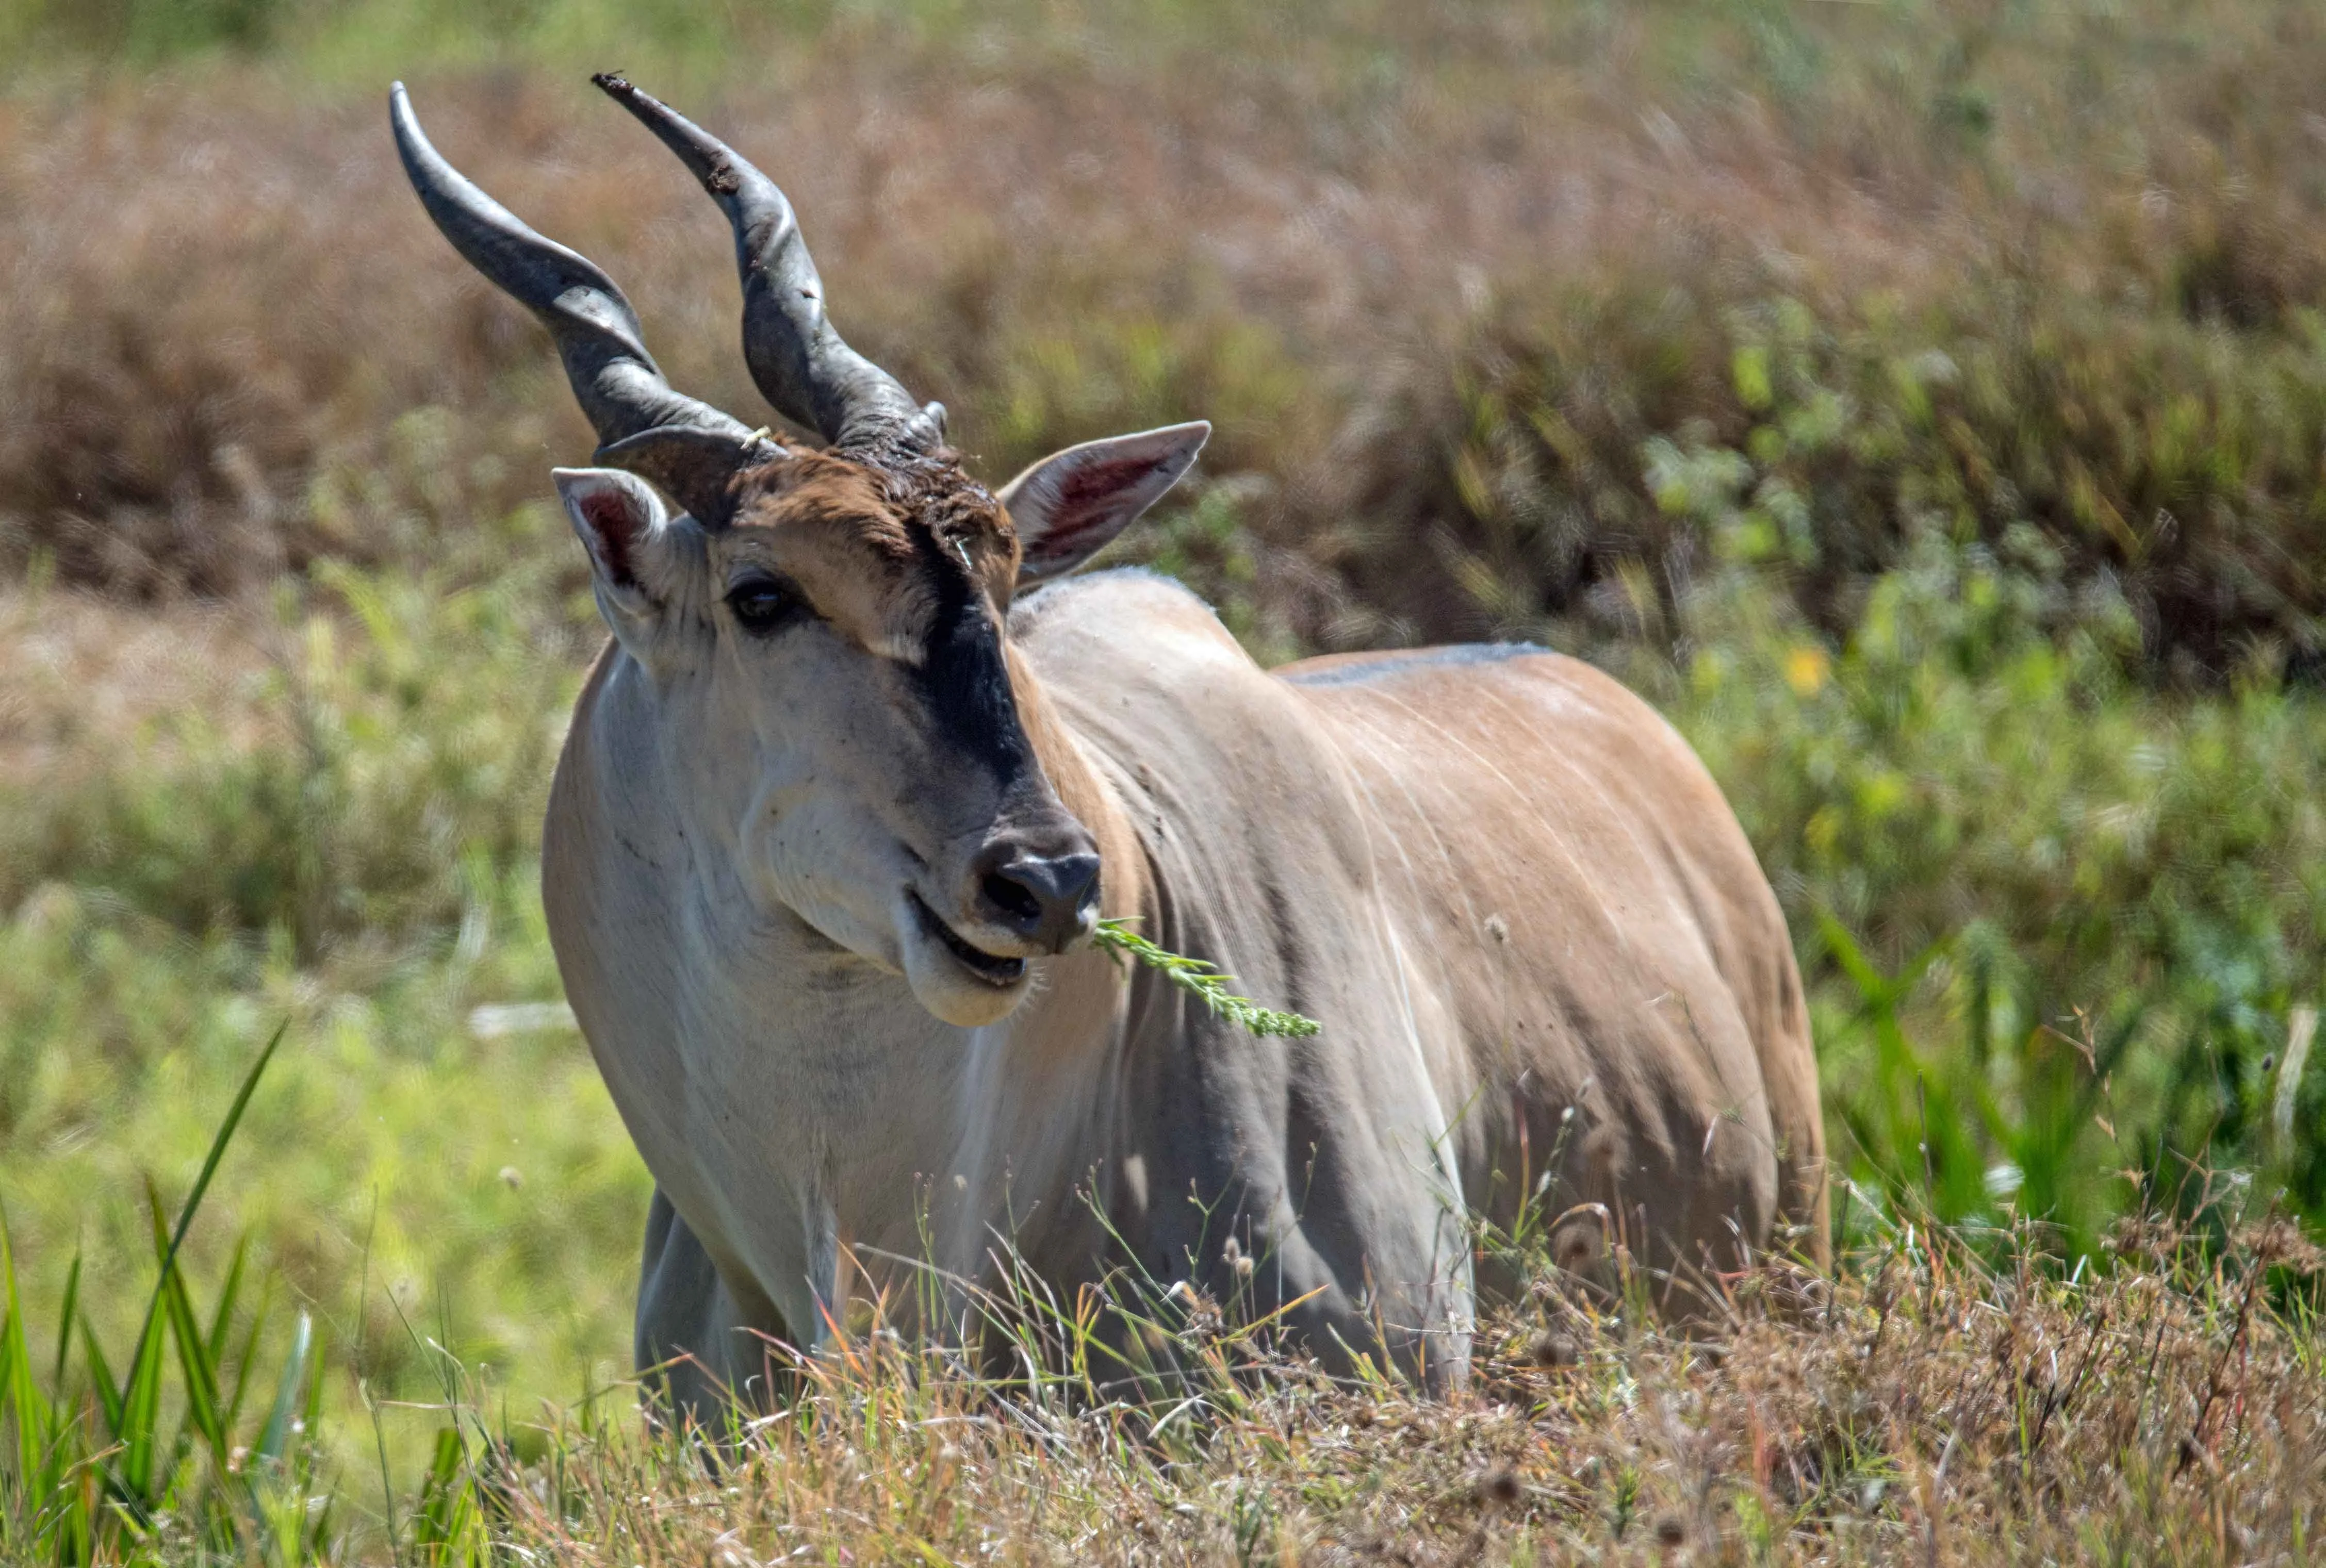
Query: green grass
<point>355,854</point>
<point>2064,919</point>
<point>1937,1391</point>
<point>95,1479</point>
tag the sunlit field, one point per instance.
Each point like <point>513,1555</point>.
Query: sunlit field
<point>1922,402</point>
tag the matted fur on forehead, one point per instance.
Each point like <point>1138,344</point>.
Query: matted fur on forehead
<point>886,495</point>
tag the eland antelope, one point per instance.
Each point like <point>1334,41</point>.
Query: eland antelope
<point>862,767</point>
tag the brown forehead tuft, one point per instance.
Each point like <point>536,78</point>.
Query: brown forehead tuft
<point>886,500</point>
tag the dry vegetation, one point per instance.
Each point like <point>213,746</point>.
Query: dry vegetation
<point>1436,278</point>
<point>1939,1397</point>
<point>1929,1406</point>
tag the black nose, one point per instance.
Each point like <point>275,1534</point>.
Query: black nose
<point>1046,898</point>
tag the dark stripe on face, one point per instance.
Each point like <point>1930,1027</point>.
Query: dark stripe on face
<point>964,677</point>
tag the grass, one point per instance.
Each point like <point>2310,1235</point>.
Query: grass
<point>92,1477</point>
<point>328,862</point>
<point>1921,401</point>
<point>1202,981</point>
<point>2066,922</point>
<point>1938,1395</point>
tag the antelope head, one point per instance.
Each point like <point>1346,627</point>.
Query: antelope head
<point>823,627</point>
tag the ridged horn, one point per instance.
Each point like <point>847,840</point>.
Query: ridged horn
<point>681,443</point>
<point>796,356</point>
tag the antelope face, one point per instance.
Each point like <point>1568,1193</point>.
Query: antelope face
<point>836,687</point>
<point>823,630</point>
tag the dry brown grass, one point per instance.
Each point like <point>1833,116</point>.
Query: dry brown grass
<point>83,676</point>
<point>235,344</point>
<point>1925,1407</point>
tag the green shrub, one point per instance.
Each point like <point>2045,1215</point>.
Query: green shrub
<point>2112,899</point>
<point>2168,467</point>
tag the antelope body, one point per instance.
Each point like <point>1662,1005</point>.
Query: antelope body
<point>848,790</point>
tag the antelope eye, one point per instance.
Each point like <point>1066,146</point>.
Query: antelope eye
<point>763,606</point>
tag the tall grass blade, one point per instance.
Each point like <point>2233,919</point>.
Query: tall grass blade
<point>222,1315</point>
<point>111,1394</point>
<point>276,1434</point>
<point>138,1430</point>
<point>24,1400</point>
<point>2301,1027</point>
<point>438,1524</point>
<point>1852,959</point>
<point>65,1322</point>
<point>202,1413</point>
<point>304,1456</point>
<point>218,1149</point>
<point>246,1357</point>
<point>141,1401</point>
<point>8,1326</point>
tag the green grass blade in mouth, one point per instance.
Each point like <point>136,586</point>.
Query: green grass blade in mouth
<point>1203,981</point>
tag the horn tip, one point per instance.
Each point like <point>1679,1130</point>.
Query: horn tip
<point>612,83</point>
<point>404,123</point>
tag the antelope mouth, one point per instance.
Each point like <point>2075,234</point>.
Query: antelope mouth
<point>994,970</point>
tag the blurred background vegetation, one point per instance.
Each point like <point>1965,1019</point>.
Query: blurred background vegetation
<point>1922,401</point>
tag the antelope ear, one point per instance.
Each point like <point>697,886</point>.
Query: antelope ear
<point>1072,504</point>
<point>625,526</point>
